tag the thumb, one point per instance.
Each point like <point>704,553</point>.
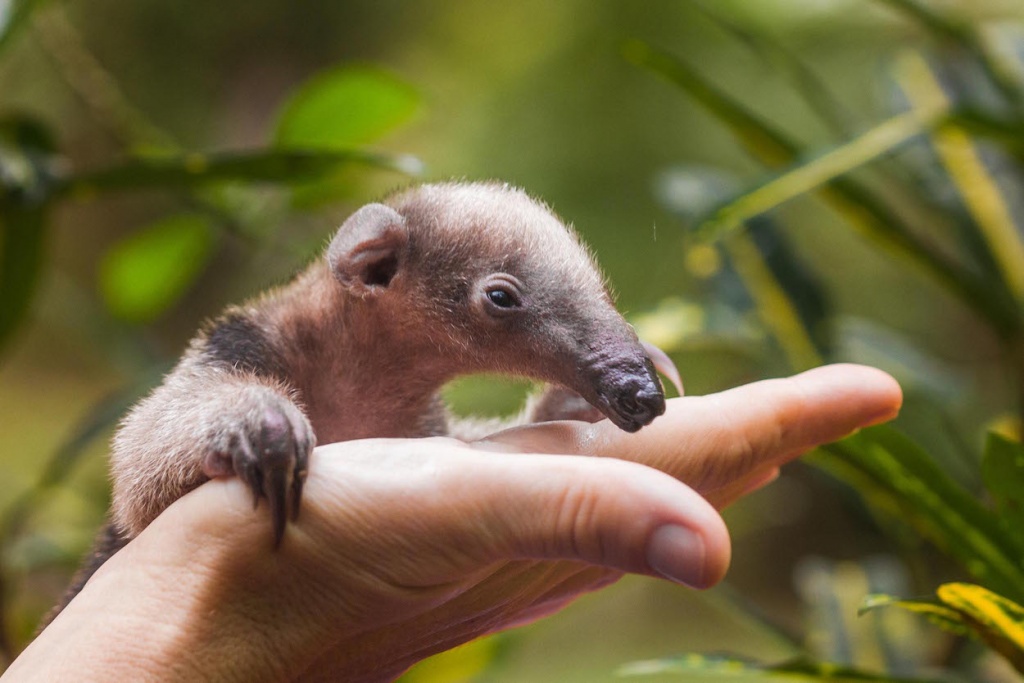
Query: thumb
<point>616,514</point>
<point>428,513</point>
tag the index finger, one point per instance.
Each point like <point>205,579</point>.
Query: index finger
<point>716,441</point>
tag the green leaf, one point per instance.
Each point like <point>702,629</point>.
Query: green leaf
<point>880,140</point>
<point>346,107</point>
<point>998,621</point>
<point>192,170</point>
<point>145,273</point>
<point>22,248</point>
<point>888,466</point>
<point>939,614</point>
<point>1002,468</point>
<point>867,213</point>
<point>731,668</point>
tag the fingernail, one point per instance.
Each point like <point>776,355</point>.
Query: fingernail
<point>677,553</point>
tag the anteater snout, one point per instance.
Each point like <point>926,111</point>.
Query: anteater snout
<point>623,383</point>
<point>637,405</point>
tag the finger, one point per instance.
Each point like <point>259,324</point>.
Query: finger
<point>712,441</point>
<point>726,495</point>
<point>605,512</point>
<point>440,496</point>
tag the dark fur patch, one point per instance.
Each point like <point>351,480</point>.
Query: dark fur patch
<point>240,343</point>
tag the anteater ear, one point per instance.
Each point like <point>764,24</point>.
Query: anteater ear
<point>368,248</point>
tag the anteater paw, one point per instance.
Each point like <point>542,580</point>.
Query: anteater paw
<point>269,450</point>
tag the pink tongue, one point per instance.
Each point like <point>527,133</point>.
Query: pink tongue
<point>664,365</point>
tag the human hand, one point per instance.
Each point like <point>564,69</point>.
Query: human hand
<point>408,547</point>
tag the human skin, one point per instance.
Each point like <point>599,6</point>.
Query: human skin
<point>405,548</point>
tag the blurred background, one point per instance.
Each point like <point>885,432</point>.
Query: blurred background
<point>769,185</point>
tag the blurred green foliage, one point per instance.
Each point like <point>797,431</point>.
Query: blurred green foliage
<point>374,103</point>
<point>838,181</point>
<point>900,481</point>
<point>145,273</point>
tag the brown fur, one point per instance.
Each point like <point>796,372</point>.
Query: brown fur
<point>360,343</point>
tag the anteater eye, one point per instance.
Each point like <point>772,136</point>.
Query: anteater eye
<point>502,298</point>
<point>501,295</point>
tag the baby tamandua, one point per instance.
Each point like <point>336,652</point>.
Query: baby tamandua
<point>438,281</point>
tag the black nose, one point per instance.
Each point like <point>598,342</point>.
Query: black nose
<point>637,405</point>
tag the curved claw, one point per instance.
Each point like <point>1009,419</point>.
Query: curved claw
<point>275,488</point>
<point>283,461</point>
<point>664,365</point>
<point>283,473</point>
<point>271,456</point>
<point>246,467</point>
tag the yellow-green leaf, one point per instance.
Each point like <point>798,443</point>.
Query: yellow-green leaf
<point>775,306</point>
<point>942,616</point>
<point>464,663</point>
<point>880,140</point>
<point>145,273</point>
<point>735,669</point>
<point>963,161</point>
<point>995,619</point>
